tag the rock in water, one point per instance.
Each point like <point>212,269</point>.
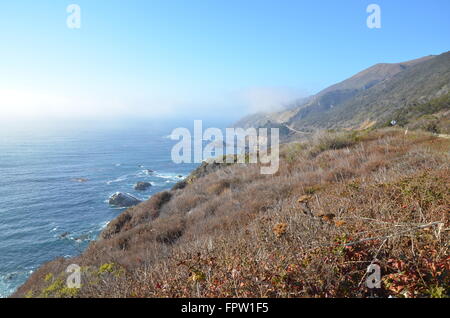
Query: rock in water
<point>142,186</point>
<point>123,200</point>
<point>64,235</point>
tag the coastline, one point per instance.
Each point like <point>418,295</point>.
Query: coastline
<point>57,184</point>
<point>186,237</point>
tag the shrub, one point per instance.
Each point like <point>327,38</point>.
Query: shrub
<point>333,141</point>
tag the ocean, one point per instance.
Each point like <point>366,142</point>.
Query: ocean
<point>55,185</point>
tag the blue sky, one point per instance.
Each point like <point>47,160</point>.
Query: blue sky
<point>166,58</point>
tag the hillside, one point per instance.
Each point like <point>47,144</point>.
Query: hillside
<point>372,76</point>
<point>418,83</point>
<point>375,96</point>
<point>358,193</point>
<point>339,202</point>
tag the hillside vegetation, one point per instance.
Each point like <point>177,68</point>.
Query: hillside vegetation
<point>379,94</point>
<point>415,85</point>
<point>433,116</point>
<point>339,202</point>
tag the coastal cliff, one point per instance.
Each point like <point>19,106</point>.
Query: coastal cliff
<point>374,190</point>
<point>339,202</point>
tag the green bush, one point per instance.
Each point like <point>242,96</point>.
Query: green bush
<point>334,141</point>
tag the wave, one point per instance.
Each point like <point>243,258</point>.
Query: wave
<point>171,176</point>
<point>119,179</point>
<point>103,225</point>
<point>10,280</point>
<point>145,173</point>
<point>78,238</point>
<point>175,177</point>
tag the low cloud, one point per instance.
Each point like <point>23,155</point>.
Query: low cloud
<point>269,99</point>
<point>45,104</point>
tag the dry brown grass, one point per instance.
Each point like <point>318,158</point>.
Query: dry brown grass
<point>337,204</point>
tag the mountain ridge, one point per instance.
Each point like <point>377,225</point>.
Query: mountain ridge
<point>371,95</point>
